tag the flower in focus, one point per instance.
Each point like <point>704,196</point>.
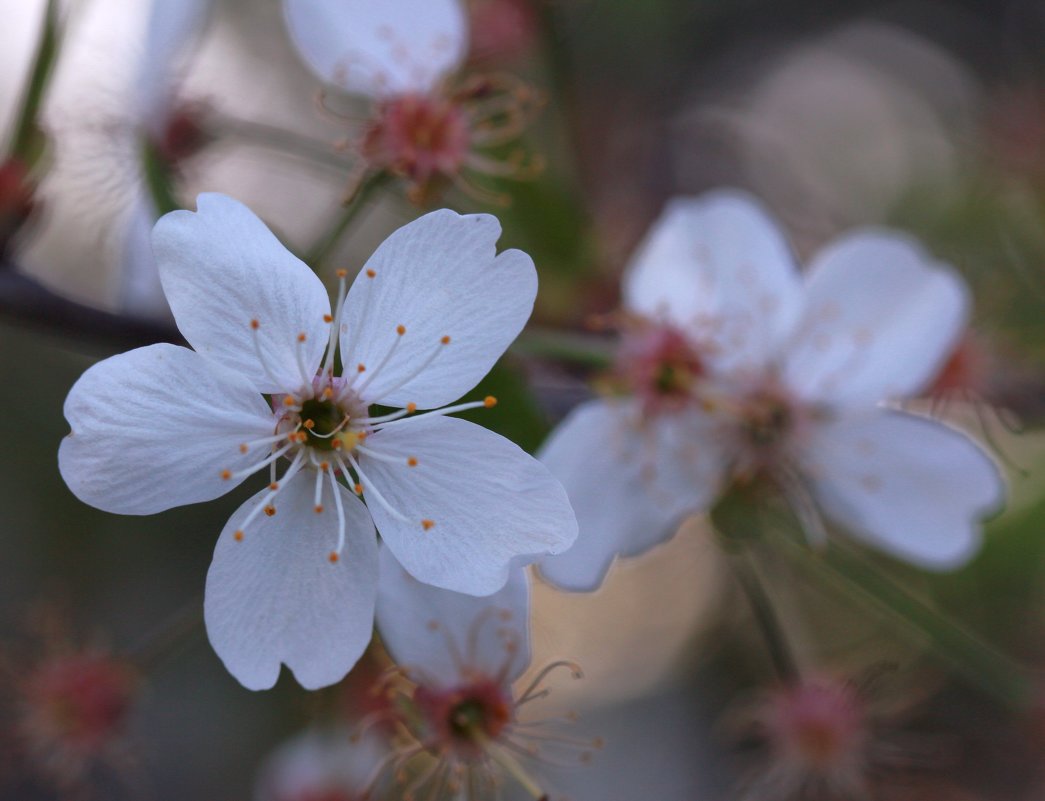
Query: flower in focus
<point>401,54</point>
<point>294,574</point>
<point>459,656</point>
<point>739,370</point>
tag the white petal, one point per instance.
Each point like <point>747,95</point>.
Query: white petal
<point>717,266</point>
<point>490,501</point>
<point>379,48</point>
<point>911,486</point>
<point>171,29</point>
<point>276,597</point>
<point>438,276</point>
<point>155,427</point>
<point>630,485</point>
<point>221,268</point>
<point>442,634</point>
<point>880,318</point>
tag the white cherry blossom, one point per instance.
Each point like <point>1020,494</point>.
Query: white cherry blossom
<point>294,574</point>
<point>739,368</point>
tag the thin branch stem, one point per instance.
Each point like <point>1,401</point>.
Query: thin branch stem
<point>765,616</point>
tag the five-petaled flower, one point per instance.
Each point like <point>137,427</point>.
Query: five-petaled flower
<point>295,570</point>
<point>740,369</point>
<point>424,128</point>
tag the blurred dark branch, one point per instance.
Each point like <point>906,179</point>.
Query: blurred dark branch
<point>27,302</point>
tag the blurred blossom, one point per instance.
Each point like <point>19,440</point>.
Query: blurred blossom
<point>425,126</point>
<point>836,130</point>
<point>460,656</point>
<point>501,30</point>
<point>745,372</point>
<point>320,765</point>
<point>425,320</point>
<point>66,708</point>
<point>822,741</point>
<point>17,201</point>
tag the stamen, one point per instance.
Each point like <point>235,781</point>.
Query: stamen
<point>420,369</point>
<point>317,495</point>
<point>360,326</point>
<point>336,553</point>
<point>371,490</point>
<point>427,524</point>
<point>266,502</point>
<point>249,471</point>
<point>255,338</point>
<point>460,407</point>
<point>299,357</point>
<point>246,446</point>
<point>400,330</point>
<point>328,362</point>
<point>529,695</point>
<point>380,457</point>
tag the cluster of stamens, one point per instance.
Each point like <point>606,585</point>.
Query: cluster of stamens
<point>433,139</point>
<point>324,424</point>
<point>468,735</point>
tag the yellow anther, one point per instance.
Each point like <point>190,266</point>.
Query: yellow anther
<point>346,440</point>
<point>255,324</point>
<point>341,273</point>
<point>412,461</point>
<point>370,273</point>
<point>270,510</point>
<point>324,466</point>
<point>411,408</point>
<point>328,318</point>
<point>274,486</point>
<point>302,337</point>
<point>238,536</point>
<point>290,401</point>
<point>400,329</point>
<point>427,524</point>
<point>489,401</point>
<point>445,340</point>
<point>360,368</point>
<point>318,509</point>
<point>309,424</point>
<point>357,488</point>
<point>243,448</point>
<point>226,475</point>
<point>333,557</point>
<point>328,393</point>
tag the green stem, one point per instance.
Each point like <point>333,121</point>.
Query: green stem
<point>276,138</point>
<point>340,224</point>
<point>765,617</point>
<point>27,140</point>
<point>971,657</point>
<point>565,346</point>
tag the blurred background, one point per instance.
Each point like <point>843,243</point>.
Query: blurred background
<point>924,116</point>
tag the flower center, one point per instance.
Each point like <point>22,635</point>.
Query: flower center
<point>485,714</point>
<point>326,426</point>
<point>660,367</point>
<point>419,136</point>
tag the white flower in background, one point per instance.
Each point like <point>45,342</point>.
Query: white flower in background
<point>401,55</point>
<point>461,655</point>
<point>741,369</point>
<point>166,126</point>
<point>320,765</point>
<point>294,573</point>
